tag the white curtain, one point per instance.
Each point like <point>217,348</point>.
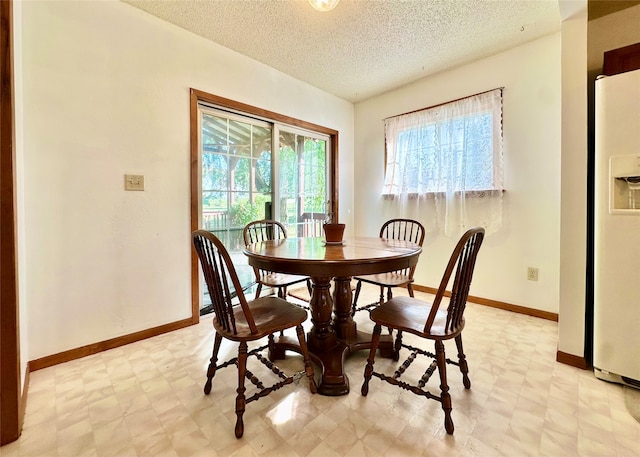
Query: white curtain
<point>450,155</point>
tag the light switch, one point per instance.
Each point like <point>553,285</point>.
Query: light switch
<point>133,182</point>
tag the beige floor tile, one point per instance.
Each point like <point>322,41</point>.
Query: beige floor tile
<point>146,399</point>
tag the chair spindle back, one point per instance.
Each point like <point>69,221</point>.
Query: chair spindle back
<point>463,259</point>
<point>403,230</point>
<point>218,271</point>
<point>263,230</point>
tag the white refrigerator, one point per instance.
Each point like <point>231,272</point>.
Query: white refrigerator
<point>616,337</point>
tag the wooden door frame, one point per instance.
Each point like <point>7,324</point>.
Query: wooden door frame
<point>11,412</point>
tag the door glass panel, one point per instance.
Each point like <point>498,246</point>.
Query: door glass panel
<point>303,183</point>
<point>236,182</point>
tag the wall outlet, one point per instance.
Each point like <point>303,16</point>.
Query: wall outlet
<point>133,182</point>
<point>532,274</point>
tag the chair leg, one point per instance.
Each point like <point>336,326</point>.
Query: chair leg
<point>240,399</point>
<point>307,361</point>
<point>445,397</point>
<point>271,345</point>
<point>282,293</point>
<point>389,297</point>
<point>368,369</point>
<point>464,367</point>
<point>211,371</point>
<point>381,301</point>
<point>258,290</point>
<point>309,287</point>
<point>397,345</point>
<point>355,298</point>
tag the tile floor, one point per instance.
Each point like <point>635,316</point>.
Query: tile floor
<point>145,399</point>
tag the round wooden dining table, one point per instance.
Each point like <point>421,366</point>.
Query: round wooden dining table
<point>333,334</point>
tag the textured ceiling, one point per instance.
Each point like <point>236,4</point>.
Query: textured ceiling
<point>363,47</point>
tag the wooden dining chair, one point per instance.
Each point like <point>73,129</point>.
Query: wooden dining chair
<point>246,321</point>
<point>394,229</point>
<point>264,230</point>
<point>428,321</point>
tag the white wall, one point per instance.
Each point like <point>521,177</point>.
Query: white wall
<point>578,60</point>
<point>530,75</point>
<point>19,173</point>
<point>573,234</point>
<point>106,92</point>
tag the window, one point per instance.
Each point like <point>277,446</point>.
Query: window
<point>448,153</point>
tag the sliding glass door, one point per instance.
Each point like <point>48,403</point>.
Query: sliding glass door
<point>242,179</point>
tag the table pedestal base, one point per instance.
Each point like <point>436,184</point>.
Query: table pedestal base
<point>330,341</point>
<point>333,380</point>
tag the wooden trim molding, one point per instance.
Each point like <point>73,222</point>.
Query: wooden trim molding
<point>113,343</point>
<point>498,304</point>
<point>573,360</point>
<point>621,60</point>
<point>561,357</point>
<point>195,203</point>
<point>11,411</point>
